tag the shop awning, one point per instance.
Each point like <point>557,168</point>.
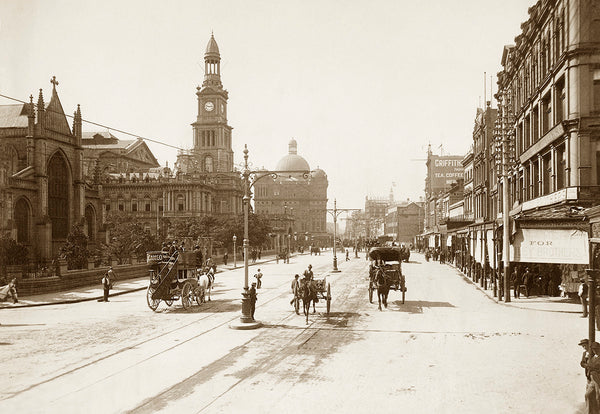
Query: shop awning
<point>550,246</point>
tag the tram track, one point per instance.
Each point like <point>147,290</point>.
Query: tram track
<point>146,341</point>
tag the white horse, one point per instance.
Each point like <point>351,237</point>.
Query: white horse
<point>205,284</point>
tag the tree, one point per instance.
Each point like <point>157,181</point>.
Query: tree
<point>11,252</point>
<point>75,250</point>
<point>128,238</point>
<point>258,230</point>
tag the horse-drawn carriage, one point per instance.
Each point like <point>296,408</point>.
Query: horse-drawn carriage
<point>173,277</point>
<point>385,273</point>
<point>308,291</point>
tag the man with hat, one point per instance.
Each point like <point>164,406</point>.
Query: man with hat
<point>295,285</point>
<point>591,364</point>
<point>252,299</point>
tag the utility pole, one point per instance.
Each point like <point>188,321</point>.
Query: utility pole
<point>335,212</point>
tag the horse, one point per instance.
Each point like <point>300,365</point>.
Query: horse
<point>308,295</point>
<point>205,284</point>
<point>382,285</point>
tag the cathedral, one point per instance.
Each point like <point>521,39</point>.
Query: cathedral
<point>43,187</point>
<point>53,176</point>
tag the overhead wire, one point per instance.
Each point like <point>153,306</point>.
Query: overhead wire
<point>100,125</point>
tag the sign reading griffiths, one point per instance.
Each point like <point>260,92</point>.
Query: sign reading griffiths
<point>443,171</point>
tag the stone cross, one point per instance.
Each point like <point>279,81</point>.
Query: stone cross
<point>54,81</point>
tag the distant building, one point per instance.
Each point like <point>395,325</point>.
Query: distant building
<point>295,205</point>
<point>404,221</point>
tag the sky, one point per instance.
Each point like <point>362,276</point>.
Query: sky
<point>363,86</point>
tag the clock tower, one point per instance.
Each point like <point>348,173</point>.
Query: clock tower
<point>212,135</point>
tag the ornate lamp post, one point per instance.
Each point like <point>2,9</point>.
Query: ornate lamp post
<point>335,212</point>
<point>249,179</point>
<point>234,256</point>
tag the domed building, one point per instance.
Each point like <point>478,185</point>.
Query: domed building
<point>295,202</point>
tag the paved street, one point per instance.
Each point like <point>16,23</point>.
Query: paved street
<point>448,349</point>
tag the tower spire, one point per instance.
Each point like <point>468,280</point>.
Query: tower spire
<point>212,64</point>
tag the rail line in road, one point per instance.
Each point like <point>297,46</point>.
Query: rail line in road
<point>291,345</point>
<point>215,308</point>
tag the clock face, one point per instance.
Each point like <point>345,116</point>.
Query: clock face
<point>209,106</point>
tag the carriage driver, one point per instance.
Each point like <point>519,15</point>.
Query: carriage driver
<point>308,279</point>
<point>308,273</point>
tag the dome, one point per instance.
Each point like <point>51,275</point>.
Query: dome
<point>319,173</point>
<point>292,161</point>
<point>212,49</point>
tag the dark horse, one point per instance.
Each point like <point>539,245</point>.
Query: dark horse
<point>308,295</point>
<point>383,286</point>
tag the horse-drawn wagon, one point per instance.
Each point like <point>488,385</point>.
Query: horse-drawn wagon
<point>308,291</point>
<point>172,277</point>
<point>385,273</point>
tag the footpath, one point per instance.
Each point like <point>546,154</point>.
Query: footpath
<point>538,303</point>
<point>120,287</point>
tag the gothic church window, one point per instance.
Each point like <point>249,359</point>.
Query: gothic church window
<point>22,220</point>
<point>58,197</point>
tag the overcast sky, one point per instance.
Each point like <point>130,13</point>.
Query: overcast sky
<point>363,86</point>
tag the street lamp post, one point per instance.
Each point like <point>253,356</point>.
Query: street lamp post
<point>249,179</point>
<point>503,134</point>
<point>234,253</point>
<point>335,212</point>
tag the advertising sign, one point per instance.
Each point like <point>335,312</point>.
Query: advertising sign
<point>550,246</point>
<point>443,170</point>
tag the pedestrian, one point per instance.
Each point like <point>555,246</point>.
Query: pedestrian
<point>527,281</point>
<point>106,285</point>
<point>259,253</point>
<point>591,364</point>
<point>112,276</point>
<point>253,299</point>
<point>583,295</point>
<point>258,277</point>
<point>516,281</point>
<point>225,258</point>
<point>347,255</point>
<point>295,285</point>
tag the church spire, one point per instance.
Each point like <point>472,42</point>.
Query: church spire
<point>212,64</point>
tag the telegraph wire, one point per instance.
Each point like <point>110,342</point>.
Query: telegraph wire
<point>100,125</point>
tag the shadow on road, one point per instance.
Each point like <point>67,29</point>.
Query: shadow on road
<point>218,305</point>
<point>416,306</point>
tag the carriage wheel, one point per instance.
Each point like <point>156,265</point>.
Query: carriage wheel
<point>152,303</point>
<point>370,293</point>
<point>169,302</point>
<point>198,296</point>
<point>187,295</point>
<point>328,298</point>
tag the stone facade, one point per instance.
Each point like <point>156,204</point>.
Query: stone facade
<point>295,204</point>
<point>203,180</point>
<point>43,191</point>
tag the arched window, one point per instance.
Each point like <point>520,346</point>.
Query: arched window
<point>22,219</point>
<point>208,164</point>
<point>90,222</point>
<point>58,197</point>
